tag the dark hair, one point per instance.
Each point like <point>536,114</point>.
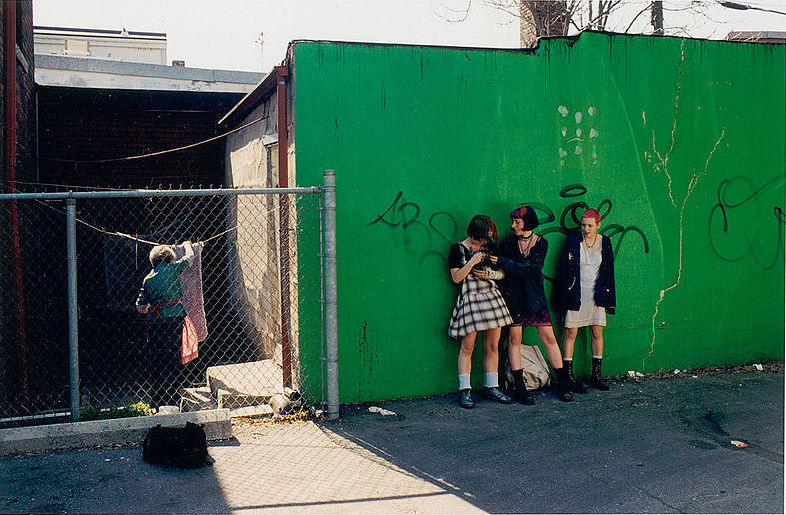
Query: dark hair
<point>161,254</point>
<point>527,214</point>
<point>479,228</point>
<point>592,213</point>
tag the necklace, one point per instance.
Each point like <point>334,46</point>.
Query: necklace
<point>526,243</point>
<point>591,245</point>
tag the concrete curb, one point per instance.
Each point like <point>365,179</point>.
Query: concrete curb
<point>76,435</point>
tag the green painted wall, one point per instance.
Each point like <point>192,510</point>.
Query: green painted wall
<point>679,143</point>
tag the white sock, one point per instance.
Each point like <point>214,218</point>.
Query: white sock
<point>597,357</point>
<point>567,359</point>
<point>464,382</point>
<point>492,380</point>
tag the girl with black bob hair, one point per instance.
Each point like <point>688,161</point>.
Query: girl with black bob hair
<point>479,307</point>
<point>521,257</point>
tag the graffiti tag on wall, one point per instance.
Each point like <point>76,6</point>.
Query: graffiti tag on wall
<point>570,218</point>
<point>427,233</point>
<point>740,217</point>
<point>419,235</point>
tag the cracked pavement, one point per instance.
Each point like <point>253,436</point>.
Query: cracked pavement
<point>656,444</point>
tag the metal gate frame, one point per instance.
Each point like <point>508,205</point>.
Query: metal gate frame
<point>327,259</point>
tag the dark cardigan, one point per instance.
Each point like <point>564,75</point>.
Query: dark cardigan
<point>522,287</point>
<point>569,282</point>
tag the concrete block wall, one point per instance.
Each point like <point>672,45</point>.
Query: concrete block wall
<point>678,143</point>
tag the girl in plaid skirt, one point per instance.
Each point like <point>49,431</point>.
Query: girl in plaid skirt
<point>479,307</point>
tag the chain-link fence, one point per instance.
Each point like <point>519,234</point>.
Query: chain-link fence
<point>75,345</point>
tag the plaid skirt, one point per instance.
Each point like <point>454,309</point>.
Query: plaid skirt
<point>479,307</point>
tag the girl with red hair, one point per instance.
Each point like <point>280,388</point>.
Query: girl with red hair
<point>587,292</point>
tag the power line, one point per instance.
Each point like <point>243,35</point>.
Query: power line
<point>152,154</point>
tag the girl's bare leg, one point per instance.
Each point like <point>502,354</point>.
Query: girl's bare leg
<point>546,334</point>
<point>465,354</point>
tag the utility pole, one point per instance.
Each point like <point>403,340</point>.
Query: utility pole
<point>657,17</point>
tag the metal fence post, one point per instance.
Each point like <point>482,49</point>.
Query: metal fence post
<point>73,322</point>
<point>331,298</point>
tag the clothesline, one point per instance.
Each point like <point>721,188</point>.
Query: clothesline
<point>136,238</point>
<point>140,240</point>
<point>153,154</point>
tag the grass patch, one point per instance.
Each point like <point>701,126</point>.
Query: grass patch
<point>139,409</point>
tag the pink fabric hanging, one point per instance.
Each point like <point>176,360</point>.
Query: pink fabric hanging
<point>191,284</point>
<point>190,347</point>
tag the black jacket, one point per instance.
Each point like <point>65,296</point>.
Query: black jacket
<point>522,287</point>
<point>569,283</point>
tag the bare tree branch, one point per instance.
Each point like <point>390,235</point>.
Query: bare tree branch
<point>538,18</point>
<point>464,12</point>
<point>646,8</point>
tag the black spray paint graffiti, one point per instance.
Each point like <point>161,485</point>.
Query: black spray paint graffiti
<point>418,237</point>
<point>424,238</point>
<point>570,218</point>
<point>726,218</point>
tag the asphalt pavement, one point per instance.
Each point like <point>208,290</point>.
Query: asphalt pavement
<point>661,445</point>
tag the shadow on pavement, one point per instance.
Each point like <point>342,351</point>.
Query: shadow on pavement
<point>108,480</point>
<point>652,445</point>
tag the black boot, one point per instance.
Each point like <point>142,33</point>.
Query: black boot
<point>563,388</point>
<point>597,378</point>
<point>520,391</point>
<point>573,385</point>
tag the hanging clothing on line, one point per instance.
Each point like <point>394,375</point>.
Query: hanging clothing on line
<point>191,284</point>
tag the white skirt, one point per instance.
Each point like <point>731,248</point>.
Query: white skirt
<point>588,314</point>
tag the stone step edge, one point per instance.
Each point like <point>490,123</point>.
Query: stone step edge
<point>96,433</point>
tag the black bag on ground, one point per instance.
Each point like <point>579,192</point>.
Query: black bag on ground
<point>184,447</point>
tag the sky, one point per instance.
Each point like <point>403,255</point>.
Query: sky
<point>226,34</point>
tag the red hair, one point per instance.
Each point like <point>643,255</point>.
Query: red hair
<point>479,228</point>
<point>592,213</point>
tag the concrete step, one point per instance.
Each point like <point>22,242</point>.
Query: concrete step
<point>197,399</point>
<point>76,435</point>
<point>251,411</point>
<point>231,399</point>
<point>250,383</point>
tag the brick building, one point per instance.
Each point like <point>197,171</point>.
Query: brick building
<point>17,134</point>
<point>17,41</point>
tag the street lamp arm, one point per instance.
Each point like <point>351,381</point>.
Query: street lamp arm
<point>744,7</point>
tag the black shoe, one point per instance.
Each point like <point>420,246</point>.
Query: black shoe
<point>524,396</point>
<point>570,382</point>
<point>495,394</point>
<point>563,390</point>
<point>578,386</point>
<point>596,378</point>
<point>564,393</point>
<point>599,383</point>
<point>465,399</point>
